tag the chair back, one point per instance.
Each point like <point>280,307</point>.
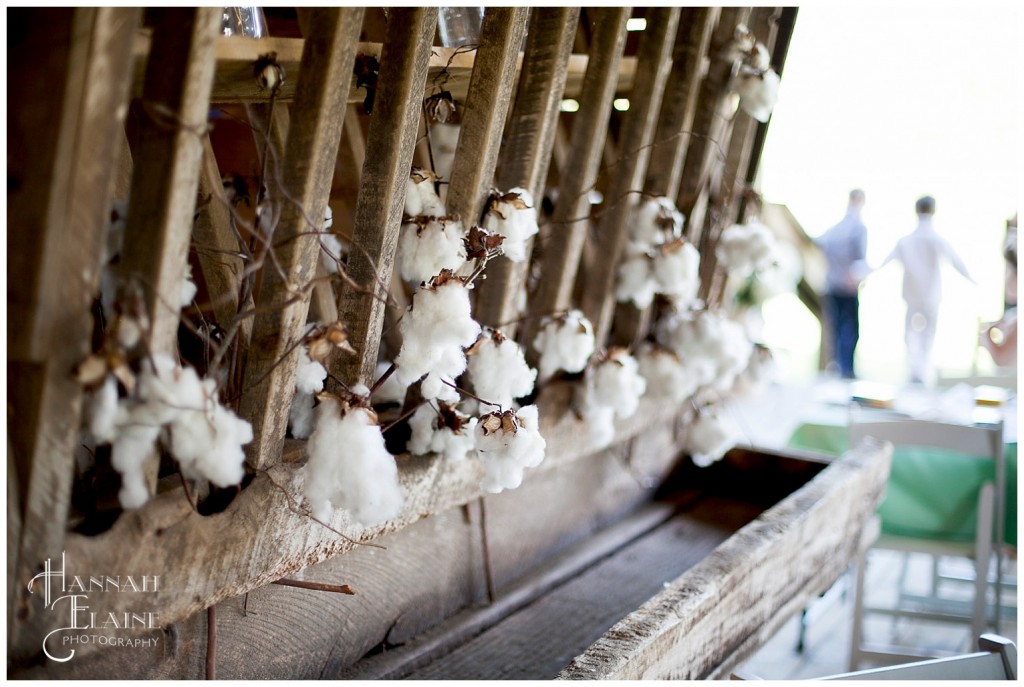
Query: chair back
<point>997,660</point>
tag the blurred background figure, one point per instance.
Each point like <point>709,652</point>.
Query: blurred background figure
<point>920,253</point>
<point>1000,337</point>
<point>845,246</point>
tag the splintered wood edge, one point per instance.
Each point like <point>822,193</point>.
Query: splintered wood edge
<point>791,552</point>
<point>234,80</point>
<point>261,537</point>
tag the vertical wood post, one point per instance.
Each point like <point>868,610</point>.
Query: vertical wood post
<point>391,140</point>
<point>305,175</point>
<point>526,152</point>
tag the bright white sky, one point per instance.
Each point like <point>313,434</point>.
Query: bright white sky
<point>902,99</point>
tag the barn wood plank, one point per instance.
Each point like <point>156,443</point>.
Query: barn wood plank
<point>727,186</point>
<point>70,68</point>
<point>483,118</point>
<point>306,171</point>
<point>233,80</point>
<point>668,149</point>
<point>653,65</point>
<point>567,231</point>
<point>709,123</point>
<point>382,188</point>
<point>526,151</point>
<point>698,625</point>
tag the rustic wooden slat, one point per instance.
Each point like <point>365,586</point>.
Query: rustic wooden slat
<point>670,140</point>
<point>526,151</point>
<point>708,122</point>
<point>306,170</point>
<point>570,219</point>
<point>598,277</point>
<point>233,80</point>
<point>381,201</point>
<point>68,69</point>
<point>725,194</point>
<point>483,118</point>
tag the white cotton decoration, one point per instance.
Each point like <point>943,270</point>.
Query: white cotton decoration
<point>758,93</point>
<point>600,422</point>
<point>420,196</point>
<point>564,343</point>
<point>615,382</point>
<point>435,330</point>
<point>507,443</point>
<point>635,280</point>
<point>426,249</point>
<point>309,374</point>
<point>712,348</point>
<point>513,221</point>
<point>134,443</point>
<point>301,415</point>
<point>431,434</point>
<point>188,287</point>
<point>444,139</point>
<point>309,380</point>
<point>745,248</point>
<point>657,220</point>
<point>498,370</point>
<point>102,411</point>
<point>676,271</point>
<point>391,391</point>
<point>709,438</point>
<point>349,466</point>
<point>667,378</point>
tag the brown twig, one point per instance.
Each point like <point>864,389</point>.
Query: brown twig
<point>317,586</point>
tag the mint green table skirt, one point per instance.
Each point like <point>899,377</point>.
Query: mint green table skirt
<point>931,493</point>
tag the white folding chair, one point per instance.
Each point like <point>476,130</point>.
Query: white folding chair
<point>984,442</point>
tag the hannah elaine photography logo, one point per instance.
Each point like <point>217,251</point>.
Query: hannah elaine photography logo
<point>68,596</point>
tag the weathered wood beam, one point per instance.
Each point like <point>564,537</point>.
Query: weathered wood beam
<point>526,152</point>
<point>307,168</point>
<point>69,69</point>
<point>570,220</point>
<point>483,119</point>
<point>653,64</point>
<point>389,149</point>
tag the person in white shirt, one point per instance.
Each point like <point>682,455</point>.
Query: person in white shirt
<point>921,252</point>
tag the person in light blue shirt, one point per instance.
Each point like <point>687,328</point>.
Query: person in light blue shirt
<point>845,246</point>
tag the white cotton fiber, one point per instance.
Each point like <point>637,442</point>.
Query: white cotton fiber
<point>564,343</point>
<point>101,406</point>
<point>420,196</point>
<point>635,280</point>
<point>309,374</point>
<point>508,443</point>
<point>301,415</point>
<point>431,435</point>
<point>656,220</point>
<point>423,251</point>
<point>391,391</point>
<point>517,224</point>
<point>758,93</point>
<point>188,287</point>
<point>135,442</point>
<point>309,380</point>
<point>615,382</point>
<point>709,437</point>
<point>745,248</point>
<point>712,348</point>
<point>435,330</point>
<point>349,467</point>
<point>667,378</point>
<point>498,370</point>
<point>677,272</point>
<point>444,139</point>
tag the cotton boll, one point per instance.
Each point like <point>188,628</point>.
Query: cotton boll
<point>758,93</point>
<point>667,378</point>
<point>188,287</point>
<point>677,272</point>
<point>600,421</point>
<point>332,252</point>
<point>391,391</point>
<point>102,410</point>
<point>507,443</point>
<point>514,216</point>
<point>709,438</point>
<point>564,343</point>
<point>444,431</point>
<point>615,382</point>
<point>205,438</point>
<point>745,248</point>
<point>301,415</point>
<point>498,370</point>
<point>712,349</point>
<point>435,330</point>
<point>309,374</point>
<point>656,220</point>
<point>444,139</point>
<point>135,442</point>
<point>635,281</point>
<point>426,249</point>
<point>349,466</point>
<point>420,196</point>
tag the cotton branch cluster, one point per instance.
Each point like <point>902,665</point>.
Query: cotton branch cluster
<point>513,216</point>
<point>746,248</point>
<point>171,405</point>
<point>498,370</point>
<point>667,378</point>
<point>435,330</point>
<point>657,258</point>
<point>712,348</point>
<point>429,240</point>
<point>442,430</point>
<point>508,443</point>
<point>564,342</point>
<point>754,80</point>
<point>349,466</point>
<point>710,435</point>
<point>612,387</point>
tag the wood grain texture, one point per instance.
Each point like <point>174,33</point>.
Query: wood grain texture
<point>696,625</point>
<point>483,118</point>
<point>567,231</point>
<point>639,123</point>
<point>68,69</point>
<point>526,150</point>
<point>388,159</point>
<point>306,171</point>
